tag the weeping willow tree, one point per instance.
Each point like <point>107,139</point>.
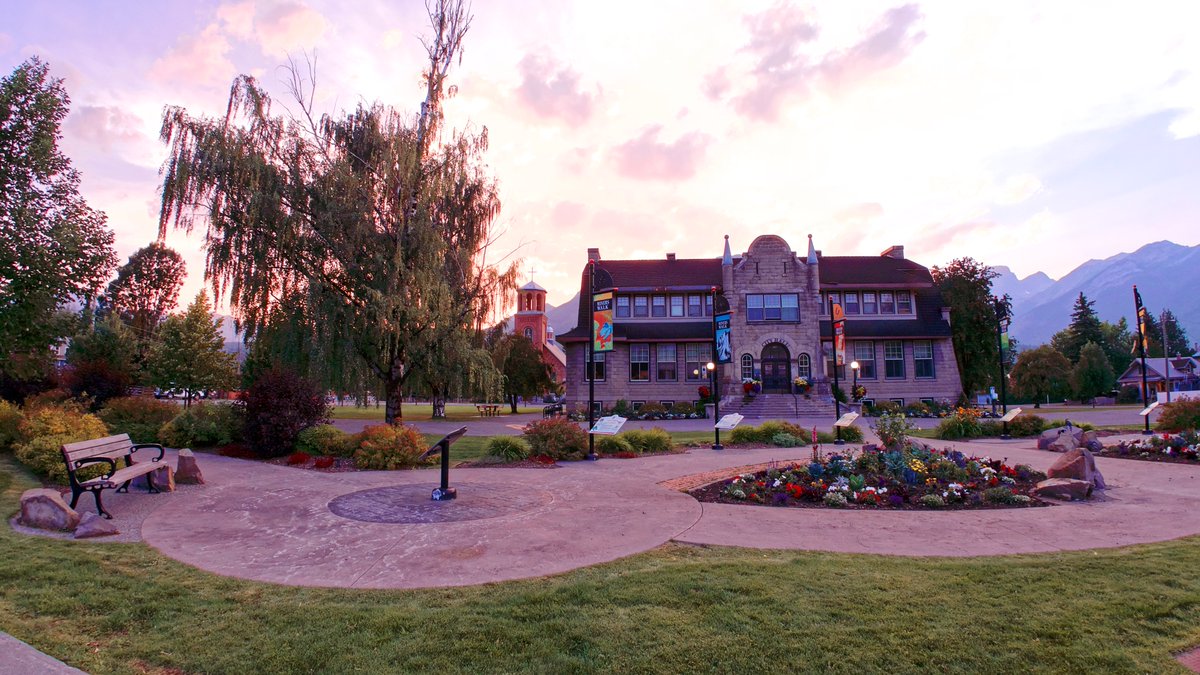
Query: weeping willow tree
<point>361,239</point>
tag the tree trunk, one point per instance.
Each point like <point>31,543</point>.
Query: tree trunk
<point>393,414</point>
<point>439,405</point>
<point>512,400</point>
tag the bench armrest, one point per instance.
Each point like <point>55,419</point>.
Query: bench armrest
<point>112,464</point>
<point>138,446</point>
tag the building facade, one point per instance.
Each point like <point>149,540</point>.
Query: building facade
<point>531,322</point>
<point>896,326</point>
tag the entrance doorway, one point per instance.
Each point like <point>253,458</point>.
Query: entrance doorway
<point>776,369</point>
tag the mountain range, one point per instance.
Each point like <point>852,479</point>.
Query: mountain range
<point>1167,275</point>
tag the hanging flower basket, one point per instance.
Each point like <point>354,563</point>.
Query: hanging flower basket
<point>802,385</point>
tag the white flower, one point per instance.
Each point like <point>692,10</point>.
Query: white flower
<point>777,483</point>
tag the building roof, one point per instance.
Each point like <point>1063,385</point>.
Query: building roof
<point>1154,369</point>
<point>532,286</point>
<point>869,270</point>
<point>556,352</point>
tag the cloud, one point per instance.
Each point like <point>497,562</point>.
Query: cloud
<point>892,38</point>
<point>237,18</point>
<point>552,90</point>
<point>783,64</point>
<point>566,216</point>
<point>196,59</point>
<point>288,26</point>
<point>106,127</point>
<point>859,214</point>
<point>645,157</point>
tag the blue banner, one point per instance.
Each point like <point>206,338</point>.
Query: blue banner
<point>724,345</point>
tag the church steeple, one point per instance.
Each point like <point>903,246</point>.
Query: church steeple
<point>531,320</point>
<point>727,258</point>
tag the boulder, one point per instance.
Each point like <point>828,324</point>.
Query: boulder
<point>1063,488</point>
<point>1064,443</point>
<point>163,477</point>
<point>1091,441</point>
<point>1078,464</point>
<point>1050,435</point>
<point>188,472</point>
<point>92,525</point>
<point>45,509</point>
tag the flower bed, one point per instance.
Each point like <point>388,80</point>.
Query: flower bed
<point>913,478</point>
<point>1182,448</point>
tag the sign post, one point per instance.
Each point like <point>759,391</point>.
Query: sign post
<point>600,340</point>
<point>839,358</point>
<point>722,353</point>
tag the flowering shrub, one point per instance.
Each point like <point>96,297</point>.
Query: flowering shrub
<point>859,392</point>
<point>325,439</point>
<point>914,477</point>
<point>509,448</point>
<point>323,462</point>
<point>137,416</point>
<point>298,458</point>
<point>557,438</point>
<point>278,406</point>
<point>964,423</point>
<point>43,432</point>
<point>386,447</point>
<point>893,429</point>
<point>1184,447</point>
<point>201,425</point>
<point>801,383</point>
<point>1026,424</point>
<point>1179,416</point>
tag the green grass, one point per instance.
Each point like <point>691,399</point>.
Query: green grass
<point>464,449</point>
<point>125,608</point>
<point>455,412</point>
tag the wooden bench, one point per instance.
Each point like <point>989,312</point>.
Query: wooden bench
<point>109,450</point>
<point>552,410</point>
<point>488,410</point>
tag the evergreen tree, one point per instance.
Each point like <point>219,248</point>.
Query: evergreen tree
<point>190,352</point>
<point>1084,328</point>
<point>1040,374</point>
<point>1092,375</point>
<point>966,287</point>
<point>54,248</point>
<point>1177,338</point>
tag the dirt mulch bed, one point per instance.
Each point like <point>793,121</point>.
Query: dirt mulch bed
<point>712,494</point>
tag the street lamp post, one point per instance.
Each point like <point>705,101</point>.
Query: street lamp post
<point>1166,361</point>
<point>854,387</point>
<point>712,374</point>
<point>1001,323</point>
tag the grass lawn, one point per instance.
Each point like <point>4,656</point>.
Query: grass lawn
<point>462,450</point>
<point>125,608</point>
<point>417,412</point>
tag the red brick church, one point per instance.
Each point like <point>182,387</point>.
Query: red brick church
<point>531,322</point>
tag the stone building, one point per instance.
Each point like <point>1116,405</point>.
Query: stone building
<point>897,328</point>
<point>530,321</point>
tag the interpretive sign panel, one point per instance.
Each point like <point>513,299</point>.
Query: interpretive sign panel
<point>1148,408</point>
<point>846,420</point>
<point>728,422</point>
<point>1012,415</point>
<point>608,426</point>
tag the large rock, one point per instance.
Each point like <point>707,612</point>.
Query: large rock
<point>1050,435</point>
<point>1063,488</point>
<point>163,477</point>
<point>188,472</point>
<point>1091,441</point>
<point>92,525</point>
<point>1065,442</point>
<point>1078,464</point>
<point>45,509</point>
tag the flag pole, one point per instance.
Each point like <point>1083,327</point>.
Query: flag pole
<point>1137,302</point>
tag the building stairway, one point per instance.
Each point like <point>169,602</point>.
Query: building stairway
<point>780,407</point>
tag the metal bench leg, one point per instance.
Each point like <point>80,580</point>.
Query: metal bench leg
<point>99,506</point>
<point>150,488</point>
<point>75,494</point>
<point>124,486</point>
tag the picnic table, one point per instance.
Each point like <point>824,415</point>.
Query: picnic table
<point>488,409</point>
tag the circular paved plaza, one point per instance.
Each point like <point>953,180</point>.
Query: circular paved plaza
<point>381,530</point>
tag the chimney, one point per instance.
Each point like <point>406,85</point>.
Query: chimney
<point>593,254</point>
<point>670,256</point>
<point>896,252</point>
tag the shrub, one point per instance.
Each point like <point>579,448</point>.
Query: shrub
<point>835,499</point>
<point>509,448</point>
<point>682,408</point>
<point>893,429</point>
<point>325,439</point>
<point>1129,394</point>
<point>386,447</point>
<point>916,409</point>
<point>96,380</point>
<point>1000,495</point>
<point>932,501</point>
<point>621,407</point>
<point>648,440</point>
<point>278,406</point>
<point>1026,425</point>
<point>556,438</point>
<point>203,425</point>
<point>298,458</point>
<point>852,434</point>
<point>651,409</point>
<point>1179,416</point>
<point>10,425</point>
<point>50,397</point>
<point>785,440</point>
<point>323,462</point>
<point>881,408</point>
<point>612,445</point>
<point>964,423</point>
<point>139,417</point>
<point>44,431</point>
<point>765,432</point>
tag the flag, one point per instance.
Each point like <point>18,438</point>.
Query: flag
<point>1141,340</point>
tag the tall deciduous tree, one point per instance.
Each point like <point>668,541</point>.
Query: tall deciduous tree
<point>54,248</point>
<point>966,287</point>
<point>1041,373</point>
<point>146,288</point>
<point>372,227</point>
<point>1092,375</point>
<point>190,352</point>
<point>525,374</point>
<point>1117,343</point>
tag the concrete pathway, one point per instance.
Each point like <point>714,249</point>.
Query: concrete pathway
<point>18,658</point>
<point>380,530</point>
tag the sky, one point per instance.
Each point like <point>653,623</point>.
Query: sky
<point>1025,134</point>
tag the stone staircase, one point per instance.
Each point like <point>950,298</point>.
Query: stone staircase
<point>780,407</point>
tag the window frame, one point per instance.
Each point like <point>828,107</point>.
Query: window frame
<point>904,303</point>
<point>804,366</point>
<point>917,361</point>
<point>747,359</point>
<point>704,350</point>
<point>673,362</point>
<point>597,357</point>
<point>889,362</point>
<point>658,306</point>
<point>887,302</point>
<point>641,306</point>
<point>874,306</point>
<point>672,306</point>
<point>862,361</point>
<point>772,307</point>
<point>639,367</point>
<point>847,307</point>
<point>623,307</point>
<point>697,309</point>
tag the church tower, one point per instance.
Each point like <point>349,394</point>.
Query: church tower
<point>530,319</point>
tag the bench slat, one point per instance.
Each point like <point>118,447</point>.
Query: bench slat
<point>109,446</point>
<point>122,475</point>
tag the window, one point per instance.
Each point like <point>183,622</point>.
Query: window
<point>658,305</point>
<point>639,362</point>
<point>904,302</point>
<point>695,361</point>
<point>897,401</point>
<point>868,403</point>
<point>827,350</point>
<point>597,408</point>
<point>598,366</point>
<point>864,353</point>
<point>804,367</point>
<point>667,367</point>
<point>641,305</point>
<point>831,300</point>
<point>529,334</point>
<point>667,404</point>
<point>893,359</point>
<point>851,305</point>
<point>676,305</point>
<point>923,358</point>
<point>887,305</point>
<point>636,405</point>
<point>708,310</point>
<point>928,401</point>
<point>773,307</point>
<point>695,305</point>
<point>747,367</point>
<point>868,304</point>
<point>622,306</point>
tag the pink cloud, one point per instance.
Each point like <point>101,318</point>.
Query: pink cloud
<point>104,126</point>
<point>566,216</point>
<point>196,59</point>
<point>859,214</point>
<point>645,157</point>
<point>288,26</point>
<point>892,38</point>
<point>553,91</point>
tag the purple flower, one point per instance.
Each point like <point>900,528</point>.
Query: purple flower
<point>895,501</point>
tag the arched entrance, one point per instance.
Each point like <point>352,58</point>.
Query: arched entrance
<point>776,369</point>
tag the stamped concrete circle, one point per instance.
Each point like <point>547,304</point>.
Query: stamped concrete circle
<point>413,504</point>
